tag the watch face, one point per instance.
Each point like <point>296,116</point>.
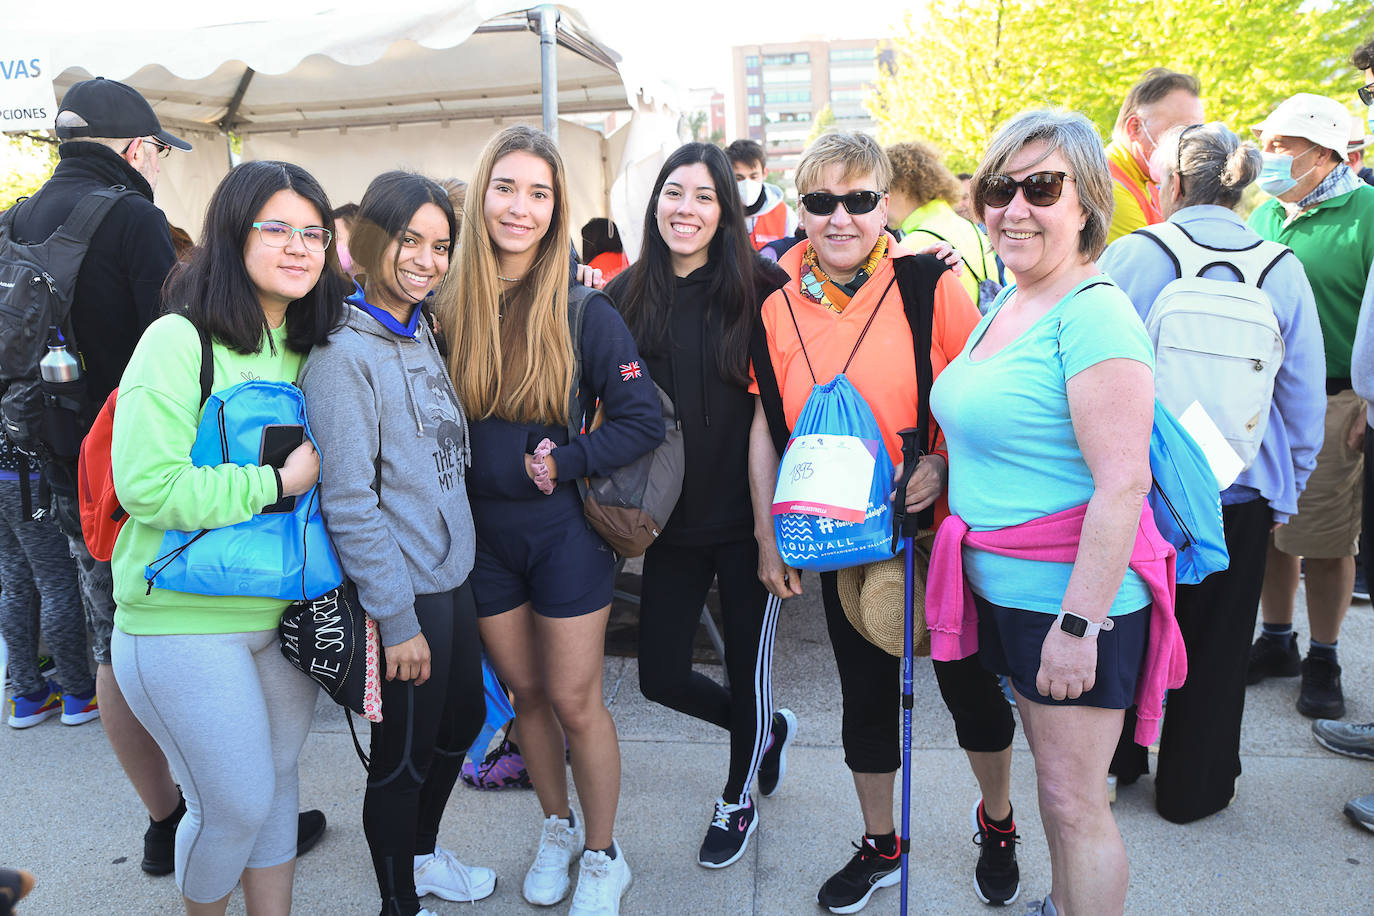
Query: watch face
<point>1074,625</point>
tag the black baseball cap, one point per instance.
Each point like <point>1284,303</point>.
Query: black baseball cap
<point>113,110</point>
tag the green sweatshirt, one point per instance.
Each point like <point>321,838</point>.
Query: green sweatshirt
<point>155,424</point>
<point>1334,242</point>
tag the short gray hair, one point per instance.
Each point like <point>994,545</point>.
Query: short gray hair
<point>1073,136</point>
<point>1216,164</point>
<point>72,119</point>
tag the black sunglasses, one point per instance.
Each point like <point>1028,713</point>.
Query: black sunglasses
<point>1041,188</point>
<point>1366,94</point>
<point>822,203</point>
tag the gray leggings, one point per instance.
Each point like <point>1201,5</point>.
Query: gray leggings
<point>231,715</point>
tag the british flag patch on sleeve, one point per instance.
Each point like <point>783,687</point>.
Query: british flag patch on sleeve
<point>630,370</point>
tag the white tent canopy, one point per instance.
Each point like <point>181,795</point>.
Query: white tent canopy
<point>348,94</point>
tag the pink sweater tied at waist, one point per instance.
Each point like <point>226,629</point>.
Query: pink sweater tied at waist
<point>953,617</point>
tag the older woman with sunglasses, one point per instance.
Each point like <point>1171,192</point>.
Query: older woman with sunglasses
<point>1047,414</point>
<point>842,310</point>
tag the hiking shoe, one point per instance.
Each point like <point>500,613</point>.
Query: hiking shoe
<point>309,828</point>
<point>773,766</point>
<point>1361,810</point>
<point>848,890</point>
<point>441,874</point>
<point>729,833</point>
<point>502,768</point>
<point>39,706</point>
<point>1269,657</point>
<point>159,843</point>
<point>78,709</point>
<point>996,877</point>
<point>1350,740</point>
<point>1321,697</point>
<point>547,881</point>
<point>601,881</point>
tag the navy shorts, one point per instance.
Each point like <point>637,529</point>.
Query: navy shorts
<point>1009,642</point>
<point>542,552</point>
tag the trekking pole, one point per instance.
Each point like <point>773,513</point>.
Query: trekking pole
<point>907,526</point>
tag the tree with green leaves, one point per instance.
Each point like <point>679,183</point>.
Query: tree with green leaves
<point>963,67</point>
<point>25,163</point>
<point>825,119</point>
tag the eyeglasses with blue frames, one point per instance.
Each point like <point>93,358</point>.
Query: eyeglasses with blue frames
<point>276,234</point>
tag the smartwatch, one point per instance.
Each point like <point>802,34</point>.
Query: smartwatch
<point>1080,627</point>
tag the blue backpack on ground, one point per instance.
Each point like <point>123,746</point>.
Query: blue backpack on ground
<point>282,554</point>
<point>1185,501</point>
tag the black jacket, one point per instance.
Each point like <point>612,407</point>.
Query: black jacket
<point>118,291</point>
<point>715,506</point>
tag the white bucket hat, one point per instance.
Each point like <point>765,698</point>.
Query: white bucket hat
<point>1317,118</point>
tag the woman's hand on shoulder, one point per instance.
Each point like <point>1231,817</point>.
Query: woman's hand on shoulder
<point>947,253</point>
<point>408,660</point>
<point>1068,665</point>
<point>590,276</point>
<point>301,470</point>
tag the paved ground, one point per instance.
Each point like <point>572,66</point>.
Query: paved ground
<point>67,813</point>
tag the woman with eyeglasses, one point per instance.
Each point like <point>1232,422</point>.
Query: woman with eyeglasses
<point>842,310</point>
<point>393,492</point>
<point>204,674</point>
<point>1048,413</point>
<point>1202,172</point>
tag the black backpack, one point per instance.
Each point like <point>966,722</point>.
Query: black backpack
<point>37,283</point>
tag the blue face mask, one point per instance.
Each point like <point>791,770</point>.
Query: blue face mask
<point>1276,174</point>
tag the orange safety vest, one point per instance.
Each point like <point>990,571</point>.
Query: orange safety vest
<point>1146,201</point>
<point>610,263</point>
<point>769,226</point>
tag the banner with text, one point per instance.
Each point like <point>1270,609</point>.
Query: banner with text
<point>27,101</point>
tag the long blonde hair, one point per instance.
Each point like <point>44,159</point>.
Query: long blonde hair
<point>470,308</point>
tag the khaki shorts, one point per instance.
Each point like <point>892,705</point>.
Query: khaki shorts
<point>1328,521</point>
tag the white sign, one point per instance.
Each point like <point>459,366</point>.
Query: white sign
<point>826,475</point>
<point>27,101</point>
<point>1226,464</point>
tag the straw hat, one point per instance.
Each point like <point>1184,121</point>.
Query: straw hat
<point>872,598</point>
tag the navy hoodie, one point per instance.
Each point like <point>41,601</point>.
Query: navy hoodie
<point>632,425</point>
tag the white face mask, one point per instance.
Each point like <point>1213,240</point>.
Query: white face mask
<point>749,190</point>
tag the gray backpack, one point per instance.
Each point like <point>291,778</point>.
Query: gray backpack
<point>630,506</point>
<point>1217,341</point>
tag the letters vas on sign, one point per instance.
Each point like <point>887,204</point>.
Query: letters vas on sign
<point>27,101</point>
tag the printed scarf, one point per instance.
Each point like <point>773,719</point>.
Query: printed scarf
<point>819,288</point>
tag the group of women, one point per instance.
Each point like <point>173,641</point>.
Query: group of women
<point>448,485</point>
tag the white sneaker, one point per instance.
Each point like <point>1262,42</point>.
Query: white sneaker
<point>442,875</point>
<point>546,883</point>
<point>601,883</point>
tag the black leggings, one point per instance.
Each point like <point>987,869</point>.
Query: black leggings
<point>676,580</point>
<point>870,685</point>
<point>418,748</point>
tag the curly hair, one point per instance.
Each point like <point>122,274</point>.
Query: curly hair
<point>918,173</point>
<point>1363,58</point>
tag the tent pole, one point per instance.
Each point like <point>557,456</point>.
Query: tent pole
<point>547,17</point>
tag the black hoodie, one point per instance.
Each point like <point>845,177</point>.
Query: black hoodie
<point>119,288</point>
<point>715,505</point>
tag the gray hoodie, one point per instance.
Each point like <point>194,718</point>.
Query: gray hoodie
<point>380,402</point>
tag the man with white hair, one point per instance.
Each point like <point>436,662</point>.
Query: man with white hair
<point>1322,211</point>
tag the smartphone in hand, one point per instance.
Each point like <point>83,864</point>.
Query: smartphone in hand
<point>278,441</point>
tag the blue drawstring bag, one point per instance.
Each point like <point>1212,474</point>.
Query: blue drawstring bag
<point>1184,500</point>
<point>830,507</point>
<point>499,711</point>
<point>285,555</point>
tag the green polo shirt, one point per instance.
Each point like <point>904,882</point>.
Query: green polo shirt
<point>1334,241</point>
